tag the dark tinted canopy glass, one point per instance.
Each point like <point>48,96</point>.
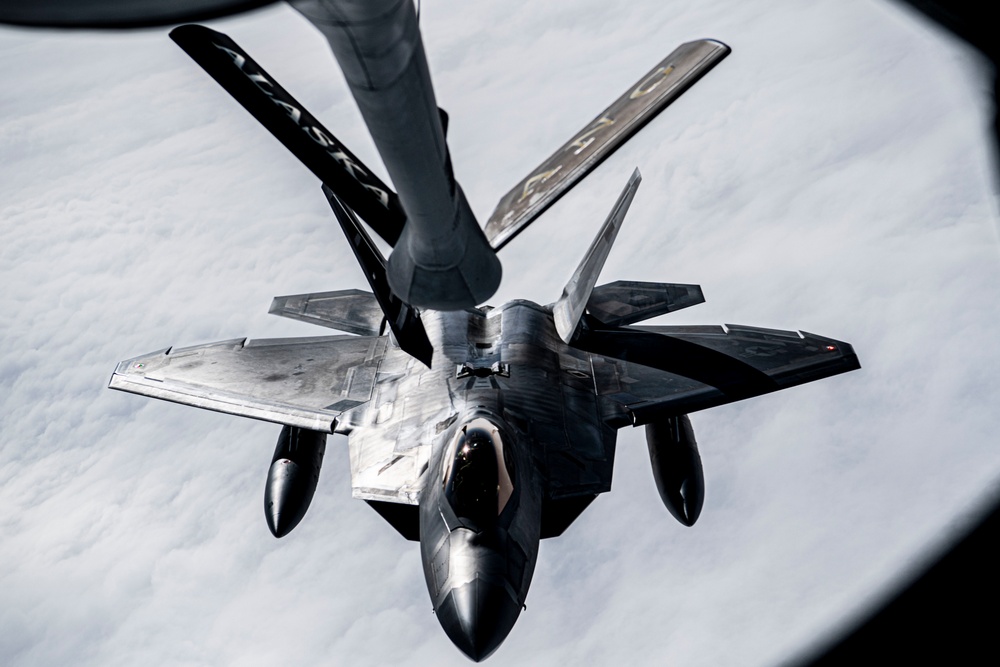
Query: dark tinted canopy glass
<point>472,484</point>
<point>477,479</point>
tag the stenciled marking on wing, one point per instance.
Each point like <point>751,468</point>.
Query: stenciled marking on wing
<point>317,134</point>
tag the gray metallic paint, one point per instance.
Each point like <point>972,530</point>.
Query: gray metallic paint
<point>442,260</point>
<point>555,382</point>
<point>558,407</point>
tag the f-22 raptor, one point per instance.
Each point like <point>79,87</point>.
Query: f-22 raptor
<point>477,431</point>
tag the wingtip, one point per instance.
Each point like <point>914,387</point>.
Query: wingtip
<point>728,49</point>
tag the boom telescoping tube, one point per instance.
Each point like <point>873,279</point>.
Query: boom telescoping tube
<point>442,259</point>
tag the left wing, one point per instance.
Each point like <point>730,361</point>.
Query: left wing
<point>303,382</point>
<point>656,372</point>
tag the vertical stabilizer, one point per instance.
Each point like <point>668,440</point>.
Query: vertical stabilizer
<point>568,310</point>
<point>403,319</point>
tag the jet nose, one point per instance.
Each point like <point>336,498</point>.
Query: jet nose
<point>478,616</point>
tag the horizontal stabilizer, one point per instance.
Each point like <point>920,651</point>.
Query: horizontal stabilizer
<point>567,311</point>
<point>626,301</point>
<point>403,319</point>
<point>301,133</point>
<point>352,311</point>
<point>602,137</point>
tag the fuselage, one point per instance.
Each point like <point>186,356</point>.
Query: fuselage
<point>506,408</point>
<point>480,522</point>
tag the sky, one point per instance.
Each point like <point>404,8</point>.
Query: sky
<point>832,175</point>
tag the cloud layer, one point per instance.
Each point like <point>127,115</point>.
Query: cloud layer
<point>830,175</point>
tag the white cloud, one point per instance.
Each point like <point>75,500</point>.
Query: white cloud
<point>830,175</point>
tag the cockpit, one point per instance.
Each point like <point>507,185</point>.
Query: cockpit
<point>479,472</point>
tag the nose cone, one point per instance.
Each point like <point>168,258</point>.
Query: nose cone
<point>478,616</point>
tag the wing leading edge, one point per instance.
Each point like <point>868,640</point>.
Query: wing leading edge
<point>302,382</point>
<point>657,372</point>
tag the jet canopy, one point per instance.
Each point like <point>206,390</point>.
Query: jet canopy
<point>478,472</point>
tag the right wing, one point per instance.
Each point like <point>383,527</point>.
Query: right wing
<point>602,137</point>
<point>656,372</point>
<point>303,382</point>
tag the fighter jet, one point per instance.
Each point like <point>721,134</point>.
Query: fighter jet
<point>477,431</point>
